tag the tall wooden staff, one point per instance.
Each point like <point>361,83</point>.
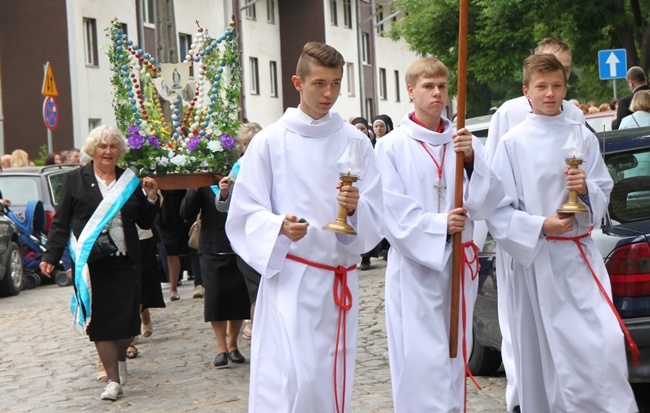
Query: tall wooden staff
<point>458,196</point>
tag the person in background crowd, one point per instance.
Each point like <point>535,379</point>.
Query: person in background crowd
<point>107,290</point>
<point>5,161</point>
<point>19,158</point>
<point>70,156</point>
<point>381,125</point>
<point>640,107</point>
<point>613,105</point>
<point>604,107</point>
<point>226,301</point>
<point>245,134</point>
<point>637,81</point>
<point>52,158</point>
<point>362,124</point>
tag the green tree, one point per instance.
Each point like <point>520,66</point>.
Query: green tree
<point>502,33</point>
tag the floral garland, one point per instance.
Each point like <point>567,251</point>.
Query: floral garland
<point>200,137</point>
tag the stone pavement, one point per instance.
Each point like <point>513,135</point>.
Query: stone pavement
<point>47,367</point>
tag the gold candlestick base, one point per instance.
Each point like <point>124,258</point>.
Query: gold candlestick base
<point>341,224</point>
<point>573,206</point>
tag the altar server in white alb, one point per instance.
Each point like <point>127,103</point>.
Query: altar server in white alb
<point>306,317</point>
<point>568,346</point>
<point>510,114</point>
<point>417,163</point>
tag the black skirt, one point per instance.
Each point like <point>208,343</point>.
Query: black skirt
<point>226,296</point>
<point>115,283</point>
<point>251,277</point>
<point>152,274</point>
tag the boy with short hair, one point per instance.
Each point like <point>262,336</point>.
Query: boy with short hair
<point>510,114</point>
<point>306,317</point>
<point>568,347</point>
<point>417,163</point>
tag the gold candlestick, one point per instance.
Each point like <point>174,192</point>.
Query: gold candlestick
<point>573,206</point>
<point>341,224</point>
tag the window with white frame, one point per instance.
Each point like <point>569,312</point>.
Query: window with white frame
<point>349,72</point>
<point>273,67</point>
<point>251,13</point>
<point>255,76</point>
<point>334,18</point>
<point>149,13</point>
<point>382,84</point>
<point>367,108</point>
<point>125,28</point>
<point>365,48</point>
<point>184,44</point>
<point>347,13</point>
<point>90,42</point>
<point>380,16</point>
<point>93,123</point>
<point>270,11</point>
<point>397,81</point>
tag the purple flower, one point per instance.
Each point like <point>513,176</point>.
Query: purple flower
<point>135,141</point>
<point>193,143</point>
<point>153,141</point>
<point>227,141</point>
<point>133,129</point>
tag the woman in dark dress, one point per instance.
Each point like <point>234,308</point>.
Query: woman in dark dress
<point>107,290</point>
<point>226,303</point>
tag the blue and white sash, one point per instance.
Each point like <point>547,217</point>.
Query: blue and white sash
<point>112,203</point>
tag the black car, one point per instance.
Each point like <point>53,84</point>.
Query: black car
<point>12,278</point>
<point>624,241</point>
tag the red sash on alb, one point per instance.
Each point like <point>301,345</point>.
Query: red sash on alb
<point>343,299</point>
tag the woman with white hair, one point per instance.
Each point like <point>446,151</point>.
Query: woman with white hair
<point>99,203</point>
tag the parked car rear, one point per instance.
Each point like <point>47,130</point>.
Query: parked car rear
<point>44,183</point>
<point>623,240</point>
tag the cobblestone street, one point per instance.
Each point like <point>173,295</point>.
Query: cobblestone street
<point>48,367</point>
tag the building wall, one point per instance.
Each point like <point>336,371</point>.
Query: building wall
<point>393,56</point>
<point>91,88</point>
<point>261,39</point>
<point>24,52</point>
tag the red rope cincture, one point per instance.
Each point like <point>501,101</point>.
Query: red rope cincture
<point>343,299</point>
<point>631,345</point>
<point>473,266</point>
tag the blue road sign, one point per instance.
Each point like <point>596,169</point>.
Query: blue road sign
<point>612,64</point>
<point>50,113</point>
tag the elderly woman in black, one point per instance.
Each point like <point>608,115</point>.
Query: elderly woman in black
<point>97,199</point>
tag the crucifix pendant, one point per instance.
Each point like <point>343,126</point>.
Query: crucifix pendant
<point>440,187</point>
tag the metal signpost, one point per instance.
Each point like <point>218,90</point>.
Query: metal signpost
<point>50,108</point>
<point>612,64</point>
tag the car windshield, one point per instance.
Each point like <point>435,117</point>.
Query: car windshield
<point>20,189</point>
<point>630,198</point>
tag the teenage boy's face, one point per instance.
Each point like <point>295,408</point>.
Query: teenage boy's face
<point>429,95</point>
<point>318,90</point>
<point>545,91</point>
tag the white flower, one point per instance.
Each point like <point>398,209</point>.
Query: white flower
<point>162,160</point>
<point>179,160</point>
<point>215,146</point>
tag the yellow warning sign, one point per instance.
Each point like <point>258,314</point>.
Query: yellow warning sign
<point>49,86</point>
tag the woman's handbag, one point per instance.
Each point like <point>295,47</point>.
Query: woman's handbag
<point>103,247</point>
<point>195,231</point>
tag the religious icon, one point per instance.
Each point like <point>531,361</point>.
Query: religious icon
<point>350,166</point>
<point>574,151</point>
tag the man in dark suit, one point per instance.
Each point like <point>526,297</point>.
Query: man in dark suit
<point>636,80</point>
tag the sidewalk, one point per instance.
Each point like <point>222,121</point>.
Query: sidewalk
<point>48,367</point>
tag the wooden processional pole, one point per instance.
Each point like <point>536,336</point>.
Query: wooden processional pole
<point>458,195</point>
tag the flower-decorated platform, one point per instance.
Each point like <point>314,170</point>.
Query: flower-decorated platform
<point>177,124</point>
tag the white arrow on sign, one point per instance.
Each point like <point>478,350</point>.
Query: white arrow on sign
<point>612,60</point>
